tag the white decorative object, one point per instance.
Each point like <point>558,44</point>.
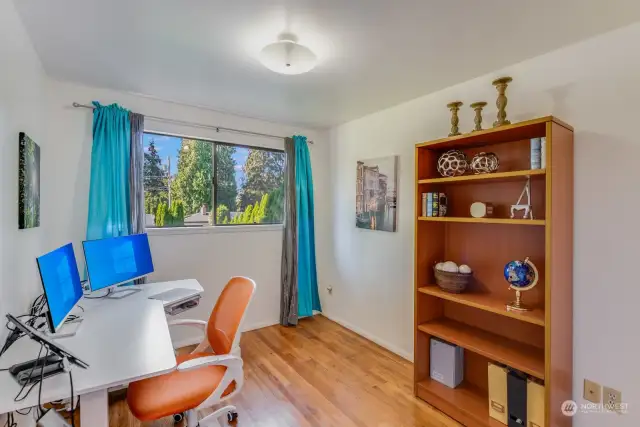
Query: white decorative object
<point>484,163</point>
<point>535,153</point>
<point>543,153</point>
<point>519,206</point>
<point>464,268</point>
<point>453,163</point>
<point>440,266</point>
<point>450,267</point>
<point>481,210</point>
<point>287,56</point>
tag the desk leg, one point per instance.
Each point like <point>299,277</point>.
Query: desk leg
<point>94,409</point>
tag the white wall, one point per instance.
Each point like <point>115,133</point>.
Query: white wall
<point>594,86</point>
<point>21,110</point>
<point>210,257</point>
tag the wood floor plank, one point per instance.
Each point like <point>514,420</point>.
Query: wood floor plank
<point>317,375</point>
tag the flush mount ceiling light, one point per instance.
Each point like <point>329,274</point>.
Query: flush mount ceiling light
<point>287,56</point>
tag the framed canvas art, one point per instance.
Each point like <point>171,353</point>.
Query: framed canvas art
<point>376,193</point>
<point>28,183</point>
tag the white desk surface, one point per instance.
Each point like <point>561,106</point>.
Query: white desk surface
<point>122,340</point>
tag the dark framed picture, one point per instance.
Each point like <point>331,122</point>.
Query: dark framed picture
<point>28,183</point>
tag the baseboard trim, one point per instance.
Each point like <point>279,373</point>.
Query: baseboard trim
<point>185,342</point>
<point>260,325</point>
<point>382,343</point>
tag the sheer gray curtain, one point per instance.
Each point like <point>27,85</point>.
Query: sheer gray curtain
<point>289,266</point>
<point>136,176</point>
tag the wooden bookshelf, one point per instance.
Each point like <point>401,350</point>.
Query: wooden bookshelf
<point>539,342</point>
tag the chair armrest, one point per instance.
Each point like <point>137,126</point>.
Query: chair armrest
<point>230,361</point>
<point>188,322</point>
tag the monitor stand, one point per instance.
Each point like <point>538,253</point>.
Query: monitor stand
<point>120,292</point>
<point>68,329</point>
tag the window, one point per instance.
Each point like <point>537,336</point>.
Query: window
<point>198,183</point>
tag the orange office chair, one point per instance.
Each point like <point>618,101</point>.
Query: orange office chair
<point>207,376</point>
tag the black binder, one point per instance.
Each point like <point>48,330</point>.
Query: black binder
<point>517,399</point>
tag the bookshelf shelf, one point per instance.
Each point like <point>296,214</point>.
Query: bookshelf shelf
<point>520,356</point>
<point>486,302</point>
<point>470,401</point>
<point>511,221</point>
<point>485,178</point>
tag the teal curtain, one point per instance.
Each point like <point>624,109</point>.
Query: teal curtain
<point>109,201</point>
<point>308,298</point>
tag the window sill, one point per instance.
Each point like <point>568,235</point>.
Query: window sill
<point>214,229</point>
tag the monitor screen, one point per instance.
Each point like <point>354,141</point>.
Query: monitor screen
<point>61,283</point>
<point>117,260</point>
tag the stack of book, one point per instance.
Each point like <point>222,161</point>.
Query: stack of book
<point>434,204</point>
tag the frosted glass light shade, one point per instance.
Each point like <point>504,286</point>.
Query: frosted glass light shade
<point>288,57</point>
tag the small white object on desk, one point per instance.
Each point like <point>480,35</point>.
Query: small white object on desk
<point>176,295</point>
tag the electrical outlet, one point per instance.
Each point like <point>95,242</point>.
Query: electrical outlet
<point>592,391</point>
<point>612,400</point>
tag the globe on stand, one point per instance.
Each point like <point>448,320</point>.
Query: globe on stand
<point>522,276</point>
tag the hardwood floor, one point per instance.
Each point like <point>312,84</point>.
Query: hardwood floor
<point>318,375</point>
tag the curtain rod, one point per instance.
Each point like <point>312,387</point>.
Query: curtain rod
<point>198,125</point>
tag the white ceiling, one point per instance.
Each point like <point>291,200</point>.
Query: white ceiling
<point>373,53</point>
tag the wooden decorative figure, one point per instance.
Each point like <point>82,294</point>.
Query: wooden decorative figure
<point>519,206</point>
<point>454,107</point>
<point>477,107</point>
<point>501,84</point>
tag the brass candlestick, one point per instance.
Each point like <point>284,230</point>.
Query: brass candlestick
<point>454,107</point>
<point>477,107</point>
<point>501,84</point>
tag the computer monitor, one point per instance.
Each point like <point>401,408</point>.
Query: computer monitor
<point>117,260</point>
<point>61,283</point>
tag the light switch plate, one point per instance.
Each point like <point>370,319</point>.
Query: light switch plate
<point>592,391</point>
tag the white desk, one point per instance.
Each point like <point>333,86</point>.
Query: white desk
<point>122,340</point>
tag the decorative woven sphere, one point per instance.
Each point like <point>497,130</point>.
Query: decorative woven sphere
<point>453,163</point>
<point>485,163</point>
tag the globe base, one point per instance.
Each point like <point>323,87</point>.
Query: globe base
<point>517,305</point>
<point>514,306</point>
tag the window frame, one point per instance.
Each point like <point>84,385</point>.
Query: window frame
<point>217,227</point>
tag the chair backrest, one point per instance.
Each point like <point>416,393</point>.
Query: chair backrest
<point>227,315</point>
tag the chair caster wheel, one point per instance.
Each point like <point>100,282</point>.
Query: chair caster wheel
<point>232,416</point>
<point>178,418</point>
